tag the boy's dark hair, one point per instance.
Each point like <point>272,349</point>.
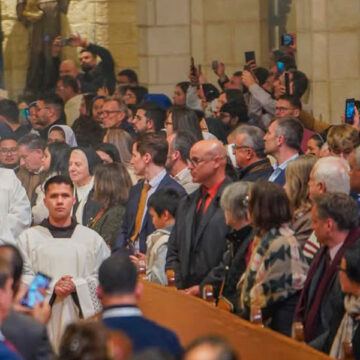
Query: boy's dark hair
<point>164,199</point>
<point>118,275</point>
<point>58,179</point>
<point>9,110</point>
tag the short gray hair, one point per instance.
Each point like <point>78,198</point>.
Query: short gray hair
<point>292,130</point>
<point>254,138</point>
<point>233,199</point>
<point>334,173</point>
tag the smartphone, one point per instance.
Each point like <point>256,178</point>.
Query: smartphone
<point>287,40</point>
<point>33,295</point>
<point>287,83</point>
<point>192,66</point>
<point>249,55</point>
<point>66,42</point>
<point>280,67</point>
<point>214,65</point>
<point>349,111</point>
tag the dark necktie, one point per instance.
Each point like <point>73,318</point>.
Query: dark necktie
<point>200,211</point>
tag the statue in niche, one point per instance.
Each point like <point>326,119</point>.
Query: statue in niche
<point>42,18</point>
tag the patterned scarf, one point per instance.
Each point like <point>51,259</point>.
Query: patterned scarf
<point>346,328</point>
<point>276,270</point>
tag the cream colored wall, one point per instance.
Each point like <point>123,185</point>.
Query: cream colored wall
<point>170,31</point>
<point>328,34</point>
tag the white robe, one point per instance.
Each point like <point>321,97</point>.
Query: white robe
<point>15,210</point>
<point>79,256</point>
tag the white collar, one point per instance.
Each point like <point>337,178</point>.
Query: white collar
<point>156,180</point>
<point>121,312</point>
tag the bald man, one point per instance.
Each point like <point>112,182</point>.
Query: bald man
<point>198,240</point>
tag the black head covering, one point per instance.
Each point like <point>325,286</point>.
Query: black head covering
<point>91,156</point>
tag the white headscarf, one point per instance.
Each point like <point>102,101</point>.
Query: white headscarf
<point>70,138</point>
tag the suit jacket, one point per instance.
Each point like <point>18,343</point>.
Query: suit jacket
<point>28,336</point>
<point>331,310</point>
<point>260,170</point>
<point>128,225</point>
<point>194,255</point>
<point>143,333</point>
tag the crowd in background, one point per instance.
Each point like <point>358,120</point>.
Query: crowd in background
<point>235,185</point>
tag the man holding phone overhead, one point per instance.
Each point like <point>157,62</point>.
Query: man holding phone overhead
<point>67,252</point>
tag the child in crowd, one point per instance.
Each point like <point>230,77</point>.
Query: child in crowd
<point>162,207</point>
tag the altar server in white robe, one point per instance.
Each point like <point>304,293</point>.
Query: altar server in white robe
<point>67,252</point>
<point>15,210</point>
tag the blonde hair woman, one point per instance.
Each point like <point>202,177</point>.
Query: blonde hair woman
<point>297,176</point>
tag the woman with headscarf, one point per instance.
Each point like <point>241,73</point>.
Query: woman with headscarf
<point>81,171</point>
<point>62,133</point>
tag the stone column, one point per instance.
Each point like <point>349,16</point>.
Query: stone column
<point>328,35</point>
<point>164,43</point>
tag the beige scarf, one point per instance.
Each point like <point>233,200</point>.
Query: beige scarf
<point>346,328</point>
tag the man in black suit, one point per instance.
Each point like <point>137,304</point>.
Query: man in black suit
<point>321,305</point>
<point>119,292</point>
<point>149,157</point>
<point>198,240</point>
<point>27,335</point>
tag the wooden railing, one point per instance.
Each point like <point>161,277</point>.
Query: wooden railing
<point>192,317</point>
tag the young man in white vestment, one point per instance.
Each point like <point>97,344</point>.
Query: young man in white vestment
<point>67,252</point>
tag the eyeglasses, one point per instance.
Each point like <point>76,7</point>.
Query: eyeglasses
<point>282,108</point>
<point>238,147</point>
<point>108,112</point>
<point>196,161</point>
<point>341,151</point>
<point>9,150</point>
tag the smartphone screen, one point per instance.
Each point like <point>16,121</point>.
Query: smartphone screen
<point>33,295</point>
<point>349,111</point>
<point>249,55</point>
<point>287,40</point>
<point>287,83</point>
<point>280,67</point>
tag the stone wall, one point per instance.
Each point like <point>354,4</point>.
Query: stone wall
<point>170,31</point>
<point>328,34</point>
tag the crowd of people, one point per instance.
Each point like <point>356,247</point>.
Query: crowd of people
<point>234,185</point>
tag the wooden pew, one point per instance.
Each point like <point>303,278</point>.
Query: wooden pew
<point>192,317</point>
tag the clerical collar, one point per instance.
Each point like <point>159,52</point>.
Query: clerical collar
<point>60,232</point>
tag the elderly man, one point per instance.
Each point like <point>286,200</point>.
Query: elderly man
<point>249,154</point>
<point>329,175</point>
<point>198,240</point>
